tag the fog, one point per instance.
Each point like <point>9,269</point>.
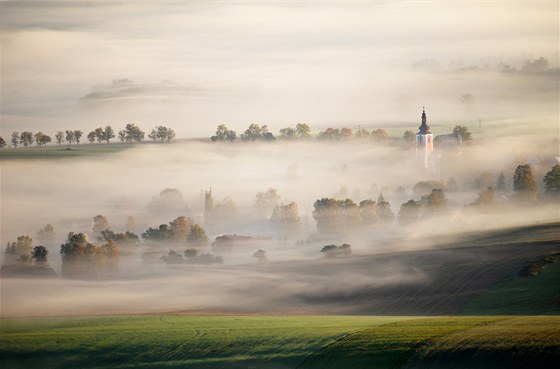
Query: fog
<point>191,66</point>
<point>297,277</point>
<point>492,67</point>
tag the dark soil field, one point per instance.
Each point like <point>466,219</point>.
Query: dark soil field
<point>445,279</point>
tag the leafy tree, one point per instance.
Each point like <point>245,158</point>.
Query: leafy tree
<point>39,254</point>
<point>108,133</point>
<point>122,136</point>
<point>15,139</point>
<point>410,212</point>
<point>524,184</point>
<point>197,236</point>
<point>266,201</point>
<point>162,233</point>
<point>91,137</point>
<point>260,255</point>
<point>552,180</point>
<point>100,224</point>
<point>303,131</point>
<point>162,134</point>
<point>346,132</point>
<point>2,143</point>
<point>81,258</point>
<point>70,136</point>
<point>42,139</point>
<point>266,134</point>
<point>77,135</point>
<point>153,135</point>
<point>23,246</point>
<point>26,138</point>
<point>501,183</point>
<point>133,133</point>
<point>286,216</point>
<point>329,134</point>
<point>231,135</point>
<point>335,216</point>
<point>73,249</point>
<point>254,132</point>
<point>287,133</point>
<point>179,228</point>
<point>99,135</point>
<point>191,256</point>
<point>464,132</point>
<point>59,136</point>
<point>409,136</point>
<point>223,134</point>
<point>379,135</point>
<point>121,238</point>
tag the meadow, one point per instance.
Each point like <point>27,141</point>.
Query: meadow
<point>63,151</point>
<point>173,341</point>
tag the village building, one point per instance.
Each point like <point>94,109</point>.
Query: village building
<point>426,143</point>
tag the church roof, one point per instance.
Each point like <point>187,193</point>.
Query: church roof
<point>424,127</point>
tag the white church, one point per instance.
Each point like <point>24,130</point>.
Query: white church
<point>425,144</point>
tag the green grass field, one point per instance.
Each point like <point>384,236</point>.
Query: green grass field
<point>521,295</point>
<point>63,151</point>
<point>174,341</point>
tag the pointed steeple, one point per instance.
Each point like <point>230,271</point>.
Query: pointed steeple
<point>424,127</point>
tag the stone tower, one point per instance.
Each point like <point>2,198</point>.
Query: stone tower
<point>424,142</point>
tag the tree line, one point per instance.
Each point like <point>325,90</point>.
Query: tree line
<point>255,132</point>
<point>301,131</point>
<point>129,134</point>
<point>84,258</point>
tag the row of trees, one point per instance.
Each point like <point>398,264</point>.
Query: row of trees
<point>257,132</point>
<point>130,134</point>
<point>340,216</point>
<point>524,192</point>
<point>180,231</point>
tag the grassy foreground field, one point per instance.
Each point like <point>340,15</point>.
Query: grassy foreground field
<point>174,341</point>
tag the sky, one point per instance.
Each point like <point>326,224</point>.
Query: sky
<point>196,64</point>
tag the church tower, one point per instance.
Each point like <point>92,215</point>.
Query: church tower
<point>424,142</point>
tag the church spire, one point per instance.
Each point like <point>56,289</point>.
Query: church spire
<point>424,127</point>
